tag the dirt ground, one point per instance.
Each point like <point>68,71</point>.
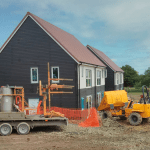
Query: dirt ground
<point>114,134</point>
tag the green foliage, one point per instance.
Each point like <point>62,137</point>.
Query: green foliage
<point>147,72</point>
<point>146,80</point>
<point>130,75</point>
<point>137,85</point>
<point>134,90</point>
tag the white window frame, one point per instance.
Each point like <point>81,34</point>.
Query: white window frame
<point>105,73</point>
<point>53,81</point>
<point>102,73</point>
<point>99,98</point>
<point>117,78</point>
<point>87,99</point>
<point>98,77</point>
<point>120,78</point>
<point>82,71</point>
<point>89,78</point>
<point>37,75</point>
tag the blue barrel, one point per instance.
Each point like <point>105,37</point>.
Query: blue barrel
<point>82,103</point>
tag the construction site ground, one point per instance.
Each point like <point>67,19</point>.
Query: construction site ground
<point>112,135</point>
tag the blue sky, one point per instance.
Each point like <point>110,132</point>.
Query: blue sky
<point>121,29</point>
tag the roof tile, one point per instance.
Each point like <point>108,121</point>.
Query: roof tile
<point>106,59</point>
<point>71,44</point>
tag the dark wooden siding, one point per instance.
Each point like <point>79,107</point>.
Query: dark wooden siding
<point>109,81</point>
<point>32,47</point>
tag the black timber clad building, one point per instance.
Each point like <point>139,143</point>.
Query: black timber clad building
<point>29,48</point>
<point>114,80</point>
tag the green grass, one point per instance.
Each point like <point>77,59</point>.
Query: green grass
<point>135,95</point>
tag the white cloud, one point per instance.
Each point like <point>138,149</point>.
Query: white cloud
<point>109,22</point>
<point>114,59</point>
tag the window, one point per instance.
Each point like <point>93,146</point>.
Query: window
<point>105,73</point>
<point>88,78</point>
<point>55,74</point>
<point>89,101</point>
<point>98,77</point>
<point>117,78</point>
<point>99,98</point>
<point>82,69</point>
<point>34,75</point>
<point>102,73</point>
<point>121,78</point>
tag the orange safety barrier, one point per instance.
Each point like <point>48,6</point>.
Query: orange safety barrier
<point>92,120</point>
<point>72,114</point>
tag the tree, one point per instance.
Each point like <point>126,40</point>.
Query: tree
<point>130,76</point>
<point>147,72</point>
<point>145,80</point>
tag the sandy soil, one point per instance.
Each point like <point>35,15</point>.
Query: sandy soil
<point>114,134</point>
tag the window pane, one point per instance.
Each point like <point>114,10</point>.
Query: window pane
<point>89,82</point>
<point>89,73</point>
<point>86,73</point>
<point>86,82</point>
<point>34,74</point>
<point>55,72</point>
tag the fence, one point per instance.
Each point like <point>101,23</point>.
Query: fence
<point>71,114</point>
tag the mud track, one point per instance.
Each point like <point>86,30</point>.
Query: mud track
<point>114,134</point>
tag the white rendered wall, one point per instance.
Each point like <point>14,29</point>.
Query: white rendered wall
<point>83,78</point>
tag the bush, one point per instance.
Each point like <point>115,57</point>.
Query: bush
<point>132,90</point>
<point>137,85</point>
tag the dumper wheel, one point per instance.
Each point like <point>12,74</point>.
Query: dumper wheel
<point>23,128</point>
<point>5,129</point>
<point>135,119</point>
<point>106,114</point>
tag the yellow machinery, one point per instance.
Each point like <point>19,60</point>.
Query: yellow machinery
<point>115,103</point>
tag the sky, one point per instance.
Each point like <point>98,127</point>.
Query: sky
<point>119,28</point>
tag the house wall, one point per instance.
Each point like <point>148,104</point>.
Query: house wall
<point>120,85</point>
<point>32,47</point>
<point>94,89</point>
<point>109,86</point>
<point>109,81</point>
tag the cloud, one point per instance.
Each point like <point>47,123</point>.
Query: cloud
<point>114,59</point>
<point>113,23</point>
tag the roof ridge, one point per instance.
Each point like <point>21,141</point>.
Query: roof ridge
<point>107,61</point>
<point>48,23</point>
<point>68,42</point>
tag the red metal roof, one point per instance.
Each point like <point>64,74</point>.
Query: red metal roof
<point>74,47</point>
<point>106,59</point>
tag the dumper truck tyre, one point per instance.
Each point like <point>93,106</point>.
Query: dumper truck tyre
<point>135,119</point>
<point>5,129</point>
<point>23,128</point>
<point>106,114</point>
